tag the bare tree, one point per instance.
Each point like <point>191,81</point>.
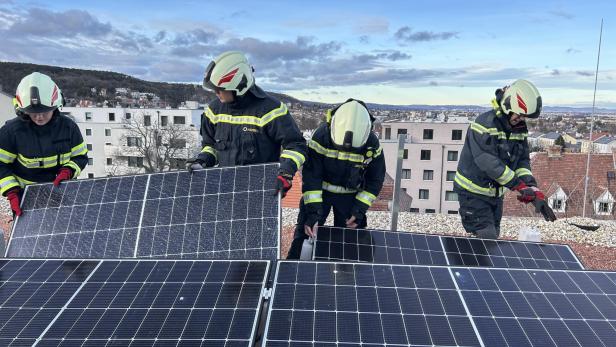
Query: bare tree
<point>151,143</point>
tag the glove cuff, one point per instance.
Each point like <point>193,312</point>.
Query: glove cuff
<point>519,186</point>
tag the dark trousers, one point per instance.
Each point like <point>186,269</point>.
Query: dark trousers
<point>342,204</point>
<point>481,215</point>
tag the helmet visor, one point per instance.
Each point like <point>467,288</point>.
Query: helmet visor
<point>207,84</point>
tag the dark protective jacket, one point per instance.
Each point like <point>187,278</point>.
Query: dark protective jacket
<point>494,156</point>
<point>361,173</point>
<point>31,154</point>
<point>256,128</point>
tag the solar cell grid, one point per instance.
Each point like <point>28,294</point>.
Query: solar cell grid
<point>130,302</point>
<point>217,213</point>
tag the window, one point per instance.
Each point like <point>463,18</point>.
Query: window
<point>135,161</point>
<point>452,212</point>
<point>414,210</point>
<point>425,154</point>
<point>133,141</point>
<point>405,154</point>
<point>88,132</point>
<point>177,163</point>
<point>430,210</point>
<point>89,146</point>
<point>164,120</point>
<point>456,135</point>
<point>452,155</point>
<point>112,117</point>
<point>90,161</point>
<point>424,194</point>
<point>179,120</point>
<point>604,207</point>
<point>428,175</point>
<point>128,115</point>
<point>109,161</point>
<point>88,115</point>
<point>147,120</point>
<point>401,131</point>
<point>387,133</point>
<point>107,132</point>
<point>557,204</point>
<point>90,175</point>
<point>107,143</point>
<point>450,176</point>
<point>177,143</point>
<point>428,134</point>
<point>451,196</point>
<point>406,174</point>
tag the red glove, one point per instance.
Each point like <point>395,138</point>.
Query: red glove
<point>63,175</point>
<point>528,194</point>
<point>284,182</point>
<point>13,196</point>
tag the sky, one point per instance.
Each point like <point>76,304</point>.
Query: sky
<point>389,52</point>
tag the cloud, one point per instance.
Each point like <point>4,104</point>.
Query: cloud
<point>365,39</point>
<point>433,83</point>
<point>407,35</point>
<point>195,36</point>
<point>555,72</point>
<point>585,73</point>
<point>572,51</point>
<point>372,25</point>
<point>561,14</point>
<point>41,22</point>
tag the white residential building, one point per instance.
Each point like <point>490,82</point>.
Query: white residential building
<point>111,151</point>
<point>6,108</point>
<point>430,160</point>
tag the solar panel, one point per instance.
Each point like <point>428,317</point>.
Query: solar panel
<point>387,247</point>
<point>218,213</point>
<point>130,302</point>
<point>345,303</point>
<point>518,307</point>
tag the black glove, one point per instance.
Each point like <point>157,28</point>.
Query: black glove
<point>314,213</point>
<point>542,207</point>
<point>284,182</point>
<point>359,212</point>
<point>194,164</point>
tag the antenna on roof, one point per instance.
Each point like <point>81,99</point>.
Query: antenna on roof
<point>592,122</point>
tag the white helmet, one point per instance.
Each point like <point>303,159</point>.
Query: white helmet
<point>37,93</point>
<point>523,98</point>
<point>229,71</point>
<point>350,125</point>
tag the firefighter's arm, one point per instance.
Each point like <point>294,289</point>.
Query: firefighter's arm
<point>373,180</point>
<point>79,152</point>
<point>483,146</point>
<point>8,154</point>
<point>208,155</point>
<point>312,172</point>
<point>281,127</point>
<point>522,171</point>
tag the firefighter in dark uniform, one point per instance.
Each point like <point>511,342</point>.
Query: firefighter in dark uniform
<point>40,145</point>
<point>245,125</point>
<point>496,156</point>
<point>344,172</point>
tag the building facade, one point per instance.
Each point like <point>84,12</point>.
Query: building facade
<point>6,107</point>
<point>430,160</point>
<point>119,138</point>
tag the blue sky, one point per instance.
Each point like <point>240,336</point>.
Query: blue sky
<point>396,52</point>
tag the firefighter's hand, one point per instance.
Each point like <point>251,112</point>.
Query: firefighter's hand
<point>542,207</point>
<point>313,215</point>
<point>528,194</point>
<point>194,164</point>
<point>284,182</point>
<point>13,197</point>
<point>64,174</point>
<point>358,217</point>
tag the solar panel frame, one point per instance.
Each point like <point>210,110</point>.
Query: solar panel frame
<point>89,315</point>
<point>395,247</point>
<point>187,214</point>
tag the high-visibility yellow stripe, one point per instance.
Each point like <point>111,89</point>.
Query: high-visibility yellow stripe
<point>210,150</point>
<point>6,156</point>
<point>38,163</point>
<point>75,167</point>
<point>378,152</point>
<point>80,149</point>
<point>7,183</point>
<point>296,157</point>
<point>474,188</point>
<point>500,134</point>
<point>365,197</point>
<point>335,154</point>
<point>518,136</point>
<point>332,188</point>
<point>523,172</point>
<point>313,196</point>
<point>246,119</point>
<point>506,177</point>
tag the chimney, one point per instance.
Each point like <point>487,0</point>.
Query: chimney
<point>555,151</point>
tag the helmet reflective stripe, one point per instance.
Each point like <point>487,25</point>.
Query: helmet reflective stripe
<point>523,98</point>
<point>229,71</point>
<point>350,125</point>
<point>37,93</point>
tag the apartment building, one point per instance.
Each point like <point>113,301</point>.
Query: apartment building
<point>114,143</point>
<point>6,107</point>
<point>430,160</point>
